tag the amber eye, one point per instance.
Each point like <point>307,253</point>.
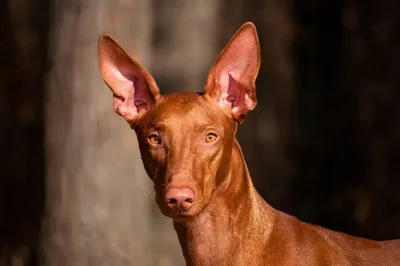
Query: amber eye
<point>211,137</point>
<point>154,139</point>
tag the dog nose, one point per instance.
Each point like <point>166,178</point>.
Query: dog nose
<point>179,199</point>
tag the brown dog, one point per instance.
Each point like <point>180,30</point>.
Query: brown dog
<point>188,146</point>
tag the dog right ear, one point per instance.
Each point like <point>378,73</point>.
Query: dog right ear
<point>134,89</point>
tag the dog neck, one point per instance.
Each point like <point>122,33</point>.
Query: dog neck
<point>235,218</point>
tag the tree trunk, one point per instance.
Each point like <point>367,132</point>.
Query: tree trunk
<point>185,43</point>
<point>99,199</point>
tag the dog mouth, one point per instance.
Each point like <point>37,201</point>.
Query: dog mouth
<point>181,215</point>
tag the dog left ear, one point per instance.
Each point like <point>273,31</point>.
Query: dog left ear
<point>231,81</point>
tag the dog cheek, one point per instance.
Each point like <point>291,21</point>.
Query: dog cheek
<point>208,188</point>
<point>221,166</point>
<point>157,156</point>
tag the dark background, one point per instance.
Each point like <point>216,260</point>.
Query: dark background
<point>323,144</point>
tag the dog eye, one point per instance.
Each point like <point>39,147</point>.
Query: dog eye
<point>211,137</point>
<point>154,139</point>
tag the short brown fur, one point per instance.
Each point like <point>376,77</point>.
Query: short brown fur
<point>228,222</point>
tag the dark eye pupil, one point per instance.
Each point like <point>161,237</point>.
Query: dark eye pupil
<point>210,137</point>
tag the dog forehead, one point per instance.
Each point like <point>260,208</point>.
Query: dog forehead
<point>185,107</point>
<point>187,110</point>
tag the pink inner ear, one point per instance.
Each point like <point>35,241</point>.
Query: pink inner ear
<point>131,94</point>
<point>234,93</point>
<point>230,91</point>
<point>141,97</point>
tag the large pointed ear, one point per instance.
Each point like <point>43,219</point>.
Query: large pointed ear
<point>134,89</point>
<point>231,81</point>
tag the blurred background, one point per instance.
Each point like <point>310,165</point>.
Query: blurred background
<point>323,143</point>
